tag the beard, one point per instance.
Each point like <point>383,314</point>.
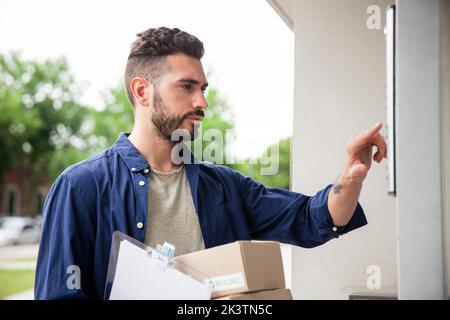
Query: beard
<point>166,122</point>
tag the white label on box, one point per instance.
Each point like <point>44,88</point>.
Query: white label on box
<point>226,282</point>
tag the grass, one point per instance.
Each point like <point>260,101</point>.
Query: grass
<point>15,281</point>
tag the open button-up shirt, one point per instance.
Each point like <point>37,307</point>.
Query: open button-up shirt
<point>108,192</point>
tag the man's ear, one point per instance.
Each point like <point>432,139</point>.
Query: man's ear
<point>139,87</point>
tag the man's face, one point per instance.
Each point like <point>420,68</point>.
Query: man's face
<point>178,98</point>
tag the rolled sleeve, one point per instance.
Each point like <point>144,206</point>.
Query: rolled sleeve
<point>320,212</point>
<point>291,217</point>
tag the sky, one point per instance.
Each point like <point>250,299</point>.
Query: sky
<point>248,49</point>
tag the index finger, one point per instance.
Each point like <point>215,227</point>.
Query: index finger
<point>373,130</point>
<point>365,138</point>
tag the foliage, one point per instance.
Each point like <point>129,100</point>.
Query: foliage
<point>40,116</point>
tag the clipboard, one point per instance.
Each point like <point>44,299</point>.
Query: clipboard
<point>133,274</point>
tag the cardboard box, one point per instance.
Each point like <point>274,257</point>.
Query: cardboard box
<point>278,294</point>
<point>238,267</point>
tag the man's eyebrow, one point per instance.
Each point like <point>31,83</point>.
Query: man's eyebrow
<point>193,81</point>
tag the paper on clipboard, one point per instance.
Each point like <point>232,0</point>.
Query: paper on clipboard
<point>137,277</point>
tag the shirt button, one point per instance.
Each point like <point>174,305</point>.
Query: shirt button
<point>334,229</point>
<point>141,183</point>
<point>146,170</point>
<point>140,225</point>
<point>133,169</point>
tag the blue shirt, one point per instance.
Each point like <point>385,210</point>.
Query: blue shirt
<point>108,192</point>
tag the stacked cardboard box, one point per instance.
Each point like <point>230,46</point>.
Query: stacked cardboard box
<point>277,294</point>
<point>242,270</point>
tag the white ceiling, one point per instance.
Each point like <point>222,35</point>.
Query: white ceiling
<point>285,9</point>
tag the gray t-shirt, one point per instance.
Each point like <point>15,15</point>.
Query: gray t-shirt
<point>171,212</point>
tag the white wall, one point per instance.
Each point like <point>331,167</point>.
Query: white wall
<point>340,90</point>
<point>445,98</point>
<point>420,242</point>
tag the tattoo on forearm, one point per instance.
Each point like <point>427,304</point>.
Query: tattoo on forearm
<point>337,187</point>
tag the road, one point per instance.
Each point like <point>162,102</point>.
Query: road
<point>18,257</point>
<point>19,252</point>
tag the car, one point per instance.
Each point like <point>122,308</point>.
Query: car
<point>19,230</point>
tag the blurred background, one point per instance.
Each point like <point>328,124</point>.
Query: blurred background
<point>62,97</point>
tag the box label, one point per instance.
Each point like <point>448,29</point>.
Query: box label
<point>226,282</point>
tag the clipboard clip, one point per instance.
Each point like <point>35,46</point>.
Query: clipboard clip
<point>162,256</point>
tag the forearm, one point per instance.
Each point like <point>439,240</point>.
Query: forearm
<point>343,199</point>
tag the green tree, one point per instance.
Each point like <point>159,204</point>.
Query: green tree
<point>40,118</point>
<point>281,179</point>
<point>104,126</point>
<point>255,167</point>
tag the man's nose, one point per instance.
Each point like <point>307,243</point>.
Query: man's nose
<point>200,101</point>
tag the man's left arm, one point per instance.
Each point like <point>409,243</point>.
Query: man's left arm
<point>343,198</point>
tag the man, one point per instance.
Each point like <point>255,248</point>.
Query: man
<point>139,187</point>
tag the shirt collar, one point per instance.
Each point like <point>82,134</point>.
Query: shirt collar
<point>136,162</point>
<point>134,159</point>
<point>129,154</point>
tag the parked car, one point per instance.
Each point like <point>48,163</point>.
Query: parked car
<point>19,230</point>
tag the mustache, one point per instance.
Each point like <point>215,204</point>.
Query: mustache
<point>198,112</point>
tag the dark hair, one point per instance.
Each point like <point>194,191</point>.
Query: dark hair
<point>148,52</point>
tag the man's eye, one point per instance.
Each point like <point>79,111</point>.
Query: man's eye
<point>187,86</point>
